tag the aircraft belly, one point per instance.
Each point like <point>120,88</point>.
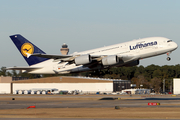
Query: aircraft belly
<point>80,69</point>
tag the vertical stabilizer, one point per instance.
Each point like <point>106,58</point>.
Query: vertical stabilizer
<point>26,48</point>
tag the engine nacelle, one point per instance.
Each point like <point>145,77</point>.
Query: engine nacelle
<point>110,60</point>
<point>82,60</point>
<point>133,63</point>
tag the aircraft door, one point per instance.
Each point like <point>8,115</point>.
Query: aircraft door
<point>160,45</point>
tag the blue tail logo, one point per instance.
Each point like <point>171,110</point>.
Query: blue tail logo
<point>26,48</point>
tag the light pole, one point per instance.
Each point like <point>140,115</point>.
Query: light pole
<point>164,86</point>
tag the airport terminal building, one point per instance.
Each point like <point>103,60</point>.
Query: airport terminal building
<point>62,83</point>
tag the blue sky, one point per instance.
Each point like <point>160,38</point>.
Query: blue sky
<point>86,24</point>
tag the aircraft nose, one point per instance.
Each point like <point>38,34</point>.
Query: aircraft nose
<point>175,45</point>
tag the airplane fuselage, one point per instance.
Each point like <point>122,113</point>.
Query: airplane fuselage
<point>133,50</point>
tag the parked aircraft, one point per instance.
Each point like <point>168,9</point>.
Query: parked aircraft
<point>123,54</point>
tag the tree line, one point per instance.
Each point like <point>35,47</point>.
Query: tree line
<point>151,77</point>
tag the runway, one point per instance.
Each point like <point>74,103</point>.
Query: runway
<point>67,119</point>
<point>84,101</point>
<point>89,107</point>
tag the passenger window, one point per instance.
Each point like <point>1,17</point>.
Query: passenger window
<point>169,41</point>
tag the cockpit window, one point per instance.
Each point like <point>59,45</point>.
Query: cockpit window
<point>169,41</point>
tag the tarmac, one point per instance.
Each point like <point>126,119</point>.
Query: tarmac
<point>86,101</point>
<point>22,102</point>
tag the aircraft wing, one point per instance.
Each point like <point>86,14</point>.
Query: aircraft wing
<point>95,57</point>
<point>23,68</point>
<point>127,58</point>
<point>51,56</point>
<point>62,57</point>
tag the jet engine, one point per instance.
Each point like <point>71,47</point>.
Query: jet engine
<point>82,60</point>
<point>110,60</point>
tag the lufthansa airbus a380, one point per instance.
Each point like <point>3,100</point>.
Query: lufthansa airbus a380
<point>123,54</point>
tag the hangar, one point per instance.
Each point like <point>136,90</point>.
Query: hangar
<point>62,83</point>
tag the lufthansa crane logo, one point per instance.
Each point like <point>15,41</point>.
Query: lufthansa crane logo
<point>27,48</point>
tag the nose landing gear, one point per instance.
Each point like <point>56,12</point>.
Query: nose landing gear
<point>168,58</point>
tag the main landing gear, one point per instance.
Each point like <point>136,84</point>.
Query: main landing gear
<point>168,58</point>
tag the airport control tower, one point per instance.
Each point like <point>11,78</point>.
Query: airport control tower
<point>64,50</point>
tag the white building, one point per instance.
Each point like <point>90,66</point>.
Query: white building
<point>5,85</point>
<point>81,84</point>
<point>176,86</point>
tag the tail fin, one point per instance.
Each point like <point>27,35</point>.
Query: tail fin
<point>25,47</point>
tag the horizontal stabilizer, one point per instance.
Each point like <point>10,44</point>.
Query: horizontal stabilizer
<point>23,68</point>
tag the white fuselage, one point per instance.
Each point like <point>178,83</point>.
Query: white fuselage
<point>139,49</point>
